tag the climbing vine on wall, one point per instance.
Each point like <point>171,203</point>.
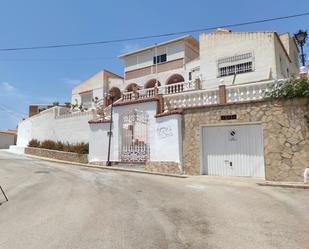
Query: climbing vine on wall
<point>293,88</point>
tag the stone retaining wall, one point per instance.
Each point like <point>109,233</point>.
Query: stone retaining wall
<point>285,131</point>
<point>163,167</point>
<point>59,155</point>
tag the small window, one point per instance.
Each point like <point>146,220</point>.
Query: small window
<point>237,64</point>
<point>160,59</point>
<point>236,69</point>
<point>190,75</point>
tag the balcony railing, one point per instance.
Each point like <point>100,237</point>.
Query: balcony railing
<point>139,94</point>
<point>166,89</point>
<point>191,99</point>
<point>248,92</point>
<point>183,94</point>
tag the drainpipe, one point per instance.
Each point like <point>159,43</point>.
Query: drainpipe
<point>156,59</point>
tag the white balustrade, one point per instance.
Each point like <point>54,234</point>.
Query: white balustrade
<point>248,92</point>
<point>191,99</point>
<point>146,93</point>
<point>166,89</point>
<point>177,87</point>
<point>140,94</point>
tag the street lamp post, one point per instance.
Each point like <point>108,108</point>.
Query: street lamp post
<point>111,96</point>
<point>301,38</point>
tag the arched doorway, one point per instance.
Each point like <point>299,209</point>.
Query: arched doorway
<point>172,80</point>
<point>152,83</point>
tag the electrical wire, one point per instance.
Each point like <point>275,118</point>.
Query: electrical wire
<point>153,36</point>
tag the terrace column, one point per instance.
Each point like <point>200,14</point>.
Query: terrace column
<point>160,106</point>
<point>222,95</point>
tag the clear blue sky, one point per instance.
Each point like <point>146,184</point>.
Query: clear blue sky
<point>49,75</point>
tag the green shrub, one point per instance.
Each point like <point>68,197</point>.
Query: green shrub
<point>59,146</point>
<point>292,89</point>
<point>80,148</point>
<point>48,144</point>
<point>67,147</point>
<point>34,143</point>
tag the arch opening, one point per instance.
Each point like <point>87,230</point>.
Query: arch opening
<point>152,83</point>
<point>175,78</point>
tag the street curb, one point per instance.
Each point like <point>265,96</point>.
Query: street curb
<point>105,167</point>
<point>284,185</point>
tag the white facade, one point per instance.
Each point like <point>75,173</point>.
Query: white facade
<point>269,57</point>
<point>95,87</point>
<point>139,66</point>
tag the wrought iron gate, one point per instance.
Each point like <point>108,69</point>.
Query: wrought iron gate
<point>134,137</point>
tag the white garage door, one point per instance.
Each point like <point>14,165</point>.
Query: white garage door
<point>233,151</point>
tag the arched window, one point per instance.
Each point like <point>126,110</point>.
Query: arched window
<point>115,91</point>
<point>175,78</point>
<point>131,87</point>
<point>152,83</point>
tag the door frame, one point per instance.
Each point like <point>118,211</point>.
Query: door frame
<point>202,172</point>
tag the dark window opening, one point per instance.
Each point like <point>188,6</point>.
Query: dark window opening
<point>190,75</point>
<point>159,59</point>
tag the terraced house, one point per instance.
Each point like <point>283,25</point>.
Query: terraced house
<point>190,107</point>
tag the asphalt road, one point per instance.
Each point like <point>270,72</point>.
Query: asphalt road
<point>53,205</point>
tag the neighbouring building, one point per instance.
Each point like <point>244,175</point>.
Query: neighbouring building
<point>191,107</point>
<point>35,109</point>
<point>94,88</point>
<point>7,138</point>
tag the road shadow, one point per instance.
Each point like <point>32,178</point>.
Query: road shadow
<point>2,202</point>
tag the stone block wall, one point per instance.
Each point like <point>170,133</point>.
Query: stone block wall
<point>59,155</point>
<point>285,131</point>
<point>162,167</point>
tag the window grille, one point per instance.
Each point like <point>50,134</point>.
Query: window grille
<point>235,65</point>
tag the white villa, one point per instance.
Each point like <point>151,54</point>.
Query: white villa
<point>188,106</point>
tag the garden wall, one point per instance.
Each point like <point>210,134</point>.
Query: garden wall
<point>59,155</point>
<point>48,125</point>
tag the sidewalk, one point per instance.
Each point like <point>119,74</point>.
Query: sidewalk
<point>284,184</point>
